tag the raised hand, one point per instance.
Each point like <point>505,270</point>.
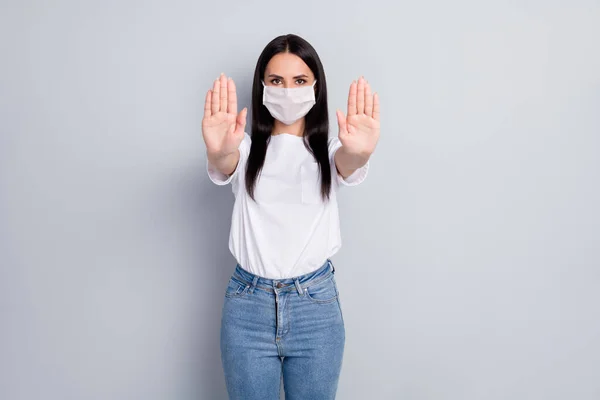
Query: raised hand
<point>222,126</point>
<point>359,130</point>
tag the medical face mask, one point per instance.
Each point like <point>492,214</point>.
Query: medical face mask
<point>288,104</point>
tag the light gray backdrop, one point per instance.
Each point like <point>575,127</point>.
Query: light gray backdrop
<point>470,265</point>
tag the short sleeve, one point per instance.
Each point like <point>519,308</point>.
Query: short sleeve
<point>220,178</point>
<point>357,176</point>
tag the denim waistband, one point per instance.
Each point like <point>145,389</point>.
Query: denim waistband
<point>284,284</point>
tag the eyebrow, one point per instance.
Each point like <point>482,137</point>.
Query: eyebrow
<point>281,77</point>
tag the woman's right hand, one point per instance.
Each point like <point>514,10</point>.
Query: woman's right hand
<point>222,126</point>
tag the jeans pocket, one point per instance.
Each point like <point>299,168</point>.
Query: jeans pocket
<point>322,292</point>
<point>236,288</point>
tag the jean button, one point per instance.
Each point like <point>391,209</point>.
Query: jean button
<point>279,284</point>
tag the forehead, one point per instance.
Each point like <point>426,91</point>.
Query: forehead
<point>287,65</point>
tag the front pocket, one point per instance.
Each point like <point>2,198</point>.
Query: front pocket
<point>235,288</point>
<point>322,292</point>
<point>310,182</point>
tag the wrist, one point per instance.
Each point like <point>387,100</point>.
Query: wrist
<point>354,160</point>
<point>217,156</point>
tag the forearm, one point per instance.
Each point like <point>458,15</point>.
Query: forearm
<point>225,163</point>
<point>347,163</point>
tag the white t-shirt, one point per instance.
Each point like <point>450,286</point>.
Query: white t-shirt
<point>289,231</point>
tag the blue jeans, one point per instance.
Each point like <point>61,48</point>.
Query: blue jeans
<point>291,328</point>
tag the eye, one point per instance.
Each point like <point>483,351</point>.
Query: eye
<point>275,81</point>
<point>300,81</point>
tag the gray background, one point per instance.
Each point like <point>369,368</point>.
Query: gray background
<point>470,265</point>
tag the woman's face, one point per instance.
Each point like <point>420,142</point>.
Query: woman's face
<point>287,70</point>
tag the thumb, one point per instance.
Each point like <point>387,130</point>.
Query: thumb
<point>341,120</point>
<point>241,121</point>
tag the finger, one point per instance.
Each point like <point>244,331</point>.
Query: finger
<point>215,97</point>
<point>207,103</point>
<point>341,120</point>
<point>352,99</point>
<point>360,96</point>
<point>241,121</point>
<point>368,100</point>
<point>231,97</point>
<point>223,94</point>
<point>376,106</point>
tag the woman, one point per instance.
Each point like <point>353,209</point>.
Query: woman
<point>281,314</point>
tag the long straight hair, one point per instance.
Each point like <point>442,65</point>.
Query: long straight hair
<point>316,131</point>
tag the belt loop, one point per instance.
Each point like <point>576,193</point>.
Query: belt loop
<point>298,287</point>
<point>332,267</point>
<point>253,284</point>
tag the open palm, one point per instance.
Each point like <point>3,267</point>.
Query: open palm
<point>359,130</point>
<point>222,126</point>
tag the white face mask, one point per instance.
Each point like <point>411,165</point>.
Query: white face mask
<point>288,104</point>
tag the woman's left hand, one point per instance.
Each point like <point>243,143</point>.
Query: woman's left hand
<point>359,130</point>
